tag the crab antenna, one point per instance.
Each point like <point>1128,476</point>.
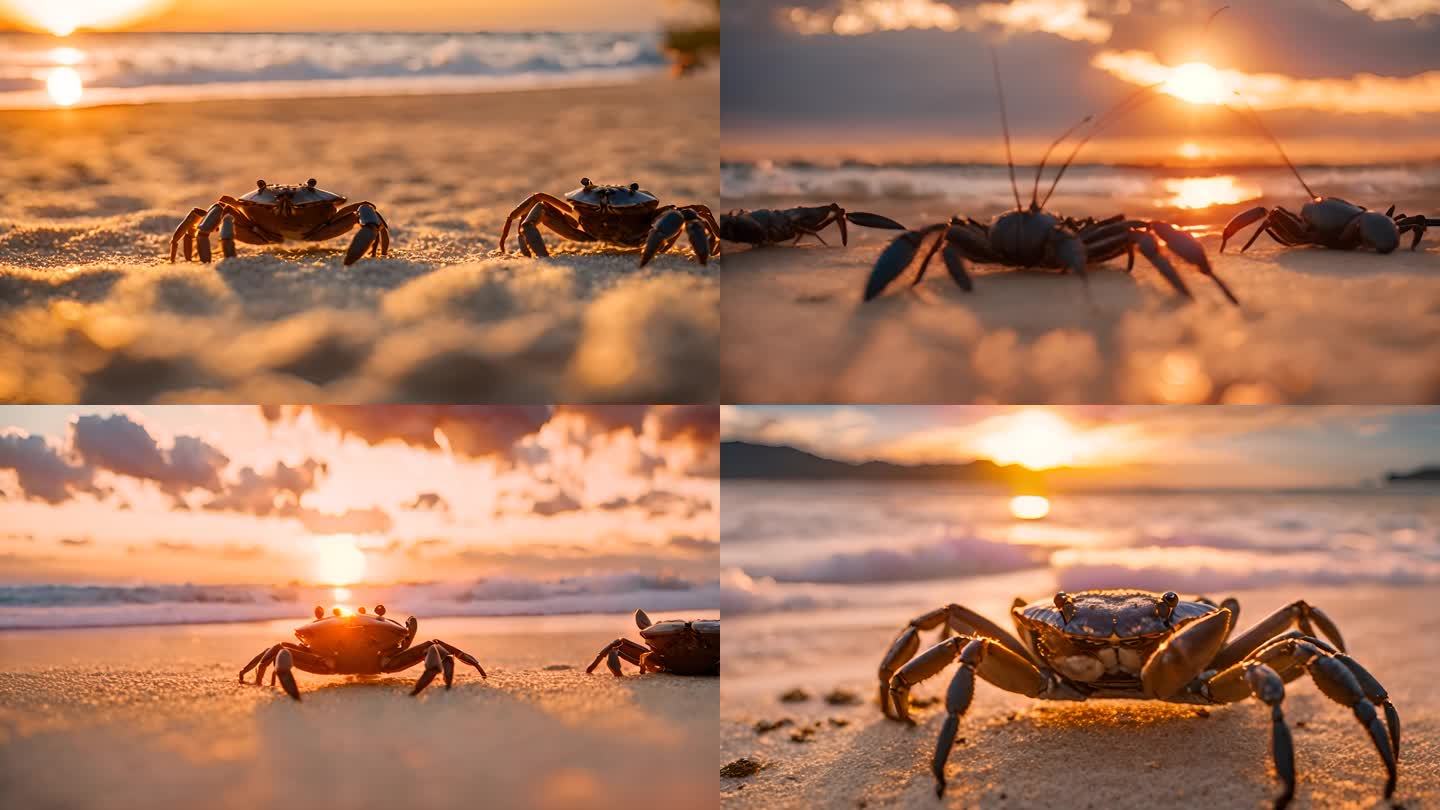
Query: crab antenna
<point>1035,192</point>
<point>1101,122</point>
<point>1005,126</point>
<point>1255,117</point>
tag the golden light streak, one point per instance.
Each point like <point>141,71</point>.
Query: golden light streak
<point>1038,439</point>
<point>1069,19</point>
<point>63,17</point>
<point>1203,192</point>
<point>338,560</point>
<point>1199,83</point>
<point>1029,507</point>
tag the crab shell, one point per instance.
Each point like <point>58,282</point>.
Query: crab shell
<point>353,641</point>
<point>1110,633</point>
<point>291,211</point>
<point>1023,235</point>
<point>686,648</point>
<point>619,214</point>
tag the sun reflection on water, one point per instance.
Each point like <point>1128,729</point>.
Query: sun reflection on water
<point>1203,192</point>
<point>64,86</point>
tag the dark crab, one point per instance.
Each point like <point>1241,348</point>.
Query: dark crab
<point>769,226</point>
<point>1143,646</point>
<point>621,215</point>
<point>1033,237</point>
<point>358,644</point>
<point>674,646</point>
<point>1330,222</point>
<point>271,214</point>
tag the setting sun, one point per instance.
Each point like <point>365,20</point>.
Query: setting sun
<point>338,561</point>
<point>1197,83</point>
<point>1029,507</point>
<point>1203,192</point>
<point>63,18</point>
<point>1037,439</point>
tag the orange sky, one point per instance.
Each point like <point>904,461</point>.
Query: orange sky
<point>338,15</point>
<point>197,493</point>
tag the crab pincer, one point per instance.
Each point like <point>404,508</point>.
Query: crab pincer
<point>674,646</point>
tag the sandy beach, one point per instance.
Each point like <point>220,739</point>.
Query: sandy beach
<point>1015,752</point>
<point>93,310</point>
<point>153,717</point>
<point>1315,326</point>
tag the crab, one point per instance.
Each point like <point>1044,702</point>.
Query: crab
<point>1330,222</point>
<point>621,215</point>
<point>1139,645</point>
<point>769,226</point>
<point>358,644</point>
<point>272,214</point>
<point>674,646</point>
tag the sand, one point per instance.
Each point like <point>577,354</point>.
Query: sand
<point>153,718</point>
<point>1316,326</point>
<point>92,310</point>
<point>1022,753</point>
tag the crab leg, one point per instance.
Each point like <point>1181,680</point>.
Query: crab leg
<point>410,656</point>
<point>896,257</point>
<point>1240,221</point>
<point>1339,679</point>
<point>962,620</point>
<point>985,657</point>
<point>1299,614</point>
<point>663,233</point>
<point>523,209</point>
<point>616,650</point>
<point>186,233</point>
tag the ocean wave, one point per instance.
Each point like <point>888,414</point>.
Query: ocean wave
<point>1212,570</point>
<point>33,606</point>
<point>949,557</point>
<point>741,593</point>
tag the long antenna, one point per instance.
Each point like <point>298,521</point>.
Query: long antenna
<point>1255,116</point>
<point>1035,192</point>
<point>1005,125</point>
<point>1100,123</point>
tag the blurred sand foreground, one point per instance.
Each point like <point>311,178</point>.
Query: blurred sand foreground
<point>1315,325</point>
<point>153,718</point>
<point>92,310</point>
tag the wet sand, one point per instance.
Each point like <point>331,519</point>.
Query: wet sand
<point>153,717</point>
<point>1015,752</point>
<point>1315,326</point>
<point>93,310</point>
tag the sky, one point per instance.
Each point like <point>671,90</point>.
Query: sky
<point>1136,446</point>
<point>1339,81</point>
<point>336,15</point>
<point>241,494</point>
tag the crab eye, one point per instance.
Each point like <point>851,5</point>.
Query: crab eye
<point>260,184</point>
<point>634,186</point>
<point>1066,605</point>
<point>362,610</point>
<point>319,612</point>
<point>585,181</point>
<point>310,182</point>
<point>379,610</point>
<point>337,611</point>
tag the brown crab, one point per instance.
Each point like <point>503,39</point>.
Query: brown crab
<point>271,214</point>
<point>621,215</point>
<point>1144,646</point>
<point>674,646</point>
<point>358,644</point>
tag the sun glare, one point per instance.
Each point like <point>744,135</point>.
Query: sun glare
<point>1034,438</point>
<point>1203,192</point>
<point>1197,83</point>
<point>1029,507</point>
<point>64,86</point>
<point>338,561</point>
<point>63,17</point>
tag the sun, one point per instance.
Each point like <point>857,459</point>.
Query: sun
<point>1197,83</point>
<point>64,86</point>
<point>1029,507</point>
<point>1038,439</point>
<point>338,561</point>
<point>63,17</point>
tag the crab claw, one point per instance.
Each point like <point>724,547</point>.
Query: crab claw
<point>662,233</point>
<point>206,227</point>
<point>1151,250</point>
<point>955,265</point>
<point>1189,248</point>
<point>433,667</point>
<point>699,239</point>
<point>366,236</point>
<point>1239,222</point>
<point>866,220</point>
<point>1184,655</point>
<point>1376,230</point>
<point>893,260</point>
<point>227,238</point>
<point>283,662</point>
<point>642,620</point>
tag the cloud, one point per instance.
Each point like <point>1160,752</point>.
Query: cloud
<point>123,446</point>
<point>1359,94</point>
<point>352,521</point>
<point>471,431</point>
<point>657,502</point>
<point>76,541</point>
<point>607,418</point>
<point>697,424</point>
<point>1395,9</point>
<point>43,473</point>
<point>694,545</point>
<point>429,502</point>
<point>561,503</point>
<point>266,493</point>
<point>1069,19</point>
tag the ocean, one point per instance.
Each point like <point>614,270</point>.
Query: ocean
<point>39,71</point>
<point>806,546</point>
<point>25,606</point>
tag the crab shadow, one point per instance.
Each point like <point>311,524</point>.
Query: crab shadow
<point>1323,262</point>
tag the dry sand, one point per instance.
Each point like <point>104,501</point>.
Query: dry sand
<point>153,718</point>
<point>1316,326</point>
<point>92,310</point>
<point>1015,752</point>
